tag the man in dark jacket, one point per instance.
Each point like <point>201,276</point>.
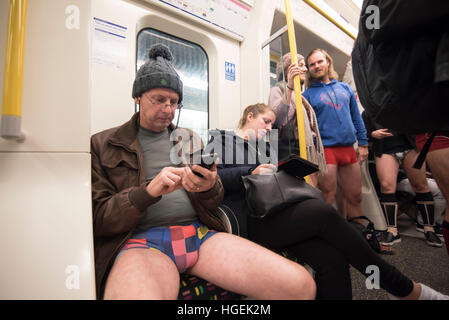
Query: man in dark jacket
<point>144,197</point>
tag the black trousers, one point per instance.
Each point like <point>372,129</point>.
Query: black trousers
<point>316,233</point>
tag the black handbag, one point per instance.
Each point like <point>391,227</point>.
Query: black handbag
<point>270,193</point>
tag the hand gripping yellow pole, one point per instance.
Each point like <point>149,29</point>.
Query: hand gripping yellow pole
<point>13,75</point>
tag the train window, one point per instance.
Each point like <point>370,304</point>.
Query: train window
<point>273,77</point>
<point>191,63</point>
<point>275,55</point>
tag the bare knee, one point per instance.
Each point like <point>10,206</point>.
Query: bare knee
<point>303,286</point>
<point>355,198</point>
<point>387,187</point>
<point>422,187</point>
<point>328,191</point>
<point>142,274</point>
<point>144,291</point>
<point>328,184</point>
<point>308,288</point>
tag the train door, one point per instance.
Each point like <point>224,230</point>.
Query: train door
<point>206,57</point>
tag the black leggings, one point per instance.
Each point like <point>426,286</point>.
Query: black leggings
<point>315,232</point>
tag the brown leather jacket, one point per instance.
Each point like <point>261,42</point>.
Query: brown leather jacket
<point>119,196</point>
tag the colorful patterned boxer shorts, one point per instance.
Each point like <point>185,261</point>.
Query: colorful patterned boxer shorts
<point>180,243</point>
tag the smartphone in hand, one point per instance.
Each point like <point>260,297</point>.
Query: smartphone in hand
<point>207,161</point>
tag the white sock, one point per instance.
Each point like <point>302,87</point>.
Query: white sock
<point>431,294</point>
<point>427,293</point>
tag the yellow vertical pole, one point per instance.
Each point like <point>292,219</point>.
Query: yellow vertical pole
<point>297,82</point>
<point>13,69</point>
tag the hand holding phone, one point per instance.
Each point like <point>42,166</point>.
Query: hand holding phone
<point>207,161</point>
<point>204,173</point>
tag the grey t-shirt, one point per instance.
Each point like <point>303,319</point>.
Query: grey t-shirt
<point>174,208</point>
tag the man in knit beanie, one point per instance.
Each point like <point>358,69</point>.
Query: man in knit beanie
<point>141,200</point>
<point>157,72</point>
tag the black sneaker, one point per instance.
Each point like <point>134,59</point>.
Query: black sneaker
<point>436,227</point>
<point>438,231</point>
<point>419,227</point>
<point>433,240</point>
<point>388,239</point>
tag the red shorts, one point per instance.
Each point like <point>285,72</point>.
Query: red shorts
<point>441,140</point>
<point>341,156</point>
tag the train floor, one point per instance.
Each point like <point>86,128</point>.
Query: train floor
<point>415,258</point>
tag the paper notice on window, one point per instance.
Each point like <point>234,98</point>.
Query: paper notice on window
<point>110,44</point>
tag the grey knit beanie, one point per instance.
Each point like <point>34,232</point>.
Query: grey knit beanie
<point>157,72</point>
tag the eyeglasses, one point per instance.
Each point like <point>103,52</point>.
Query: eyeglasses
<point>160,102</point>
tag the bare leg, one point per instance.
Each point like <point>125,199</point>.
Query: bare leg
<point>350,178</point>
<point>341,202</point>
<point>143,274</point>
<point>417,177</point>
<point>327,183</point>
<point>387,172</point>
<point>418,181</point>
<point>438,161</point>
<point>387,168</point>
<point>239,265</point>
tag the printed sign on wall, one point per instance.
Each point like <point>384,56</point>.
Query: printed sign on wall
<point>110,46</point>
<point>230,71</point>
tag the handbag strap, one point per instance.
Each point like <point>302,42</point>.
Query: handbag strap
<point>422,155</point>
<point>361,217</point>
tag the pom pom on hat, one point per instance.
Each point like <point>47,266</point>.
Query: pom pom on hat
<point>160,50</point>
<point>157,72</point>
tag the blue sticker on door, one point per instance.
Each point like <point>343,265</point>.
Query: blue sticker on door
<point>229,71</point>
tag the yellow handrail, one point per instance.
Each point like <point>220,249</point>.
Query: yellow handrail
<point>328,17</point>
<point>297,82</point>
<point>13,76</point>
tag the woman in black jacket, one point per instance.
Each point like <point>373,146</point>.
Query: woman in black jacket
<point>311,230</point>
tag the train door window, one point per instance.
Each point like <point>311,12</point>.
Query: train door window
<point>276,52</point>
<point>191,63</point>
<point>273,64</point>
